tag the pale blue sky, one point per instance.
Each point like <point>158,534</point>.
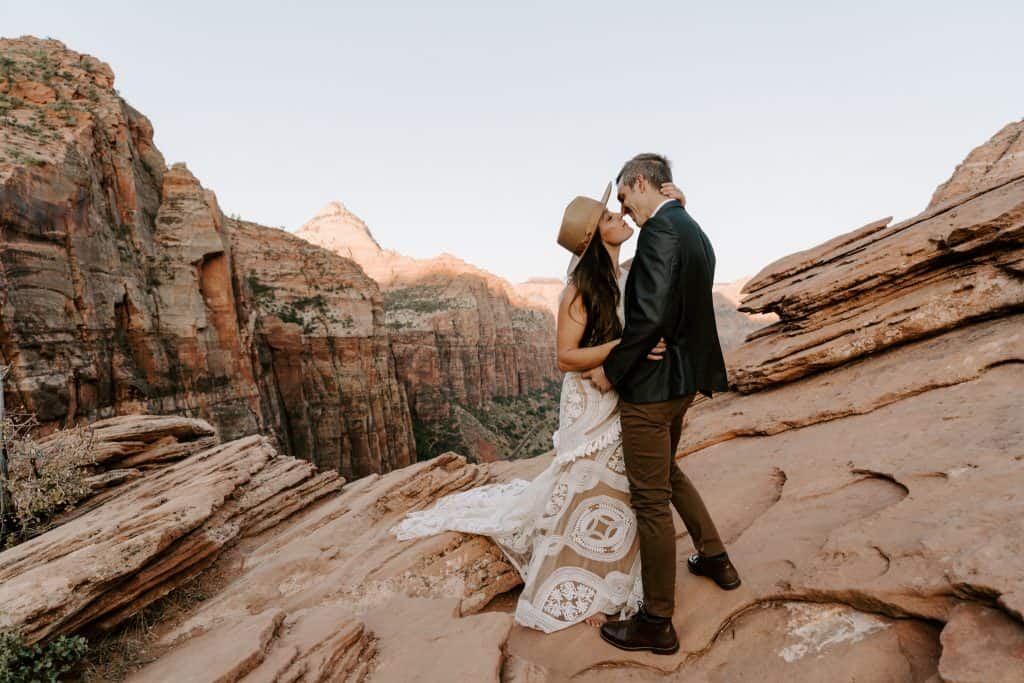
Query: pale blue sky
<point>466,128</point>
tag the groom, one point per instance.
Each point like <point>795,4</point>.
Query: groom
<point>668,294</point>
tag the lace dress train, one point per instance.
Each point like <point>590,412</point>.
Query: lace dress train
<point>570,532</point>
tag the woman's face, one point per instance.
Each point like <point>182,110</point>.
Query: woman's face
<point>613,228</point>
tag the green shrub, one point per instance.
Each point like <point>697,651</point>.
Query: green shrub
<point>259,289</point>
<point>434,438</point>
<point>8,67</point>
<point>420,299</point>
<point>22,663</point>
<point>289,315</point>
<point>308,301</point>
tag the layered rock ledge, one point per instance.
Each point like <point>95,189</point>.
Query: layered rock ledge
<point>884,285</point>
<point>187,501</point>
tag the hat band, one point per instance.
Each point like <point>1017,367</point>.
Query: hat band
<point>595,223</point>
<point>585,242</point>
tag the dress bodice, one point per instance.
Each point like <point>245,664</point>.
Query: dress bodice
<point>588,420</point>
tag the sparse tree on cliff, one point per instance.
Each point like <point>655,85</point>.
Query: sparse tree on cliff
<point>39,482</point>
<point>6,505</point>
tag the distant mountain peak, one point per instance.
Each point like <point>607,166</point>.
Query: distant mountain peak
<point>335,208</point>
<point>341,230</point>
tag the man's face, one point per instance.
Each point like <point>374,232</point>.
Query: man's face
<point>629,199</point>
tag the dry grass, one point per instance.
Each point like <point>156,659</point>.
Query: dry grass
<point>115,655</point>
<point>41,483</point>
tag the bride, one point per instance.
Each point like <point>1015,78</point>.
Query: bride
<point>570,533</point>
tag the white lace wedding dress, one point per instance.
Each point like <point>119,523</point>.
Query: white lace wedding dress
<point>570,532</point>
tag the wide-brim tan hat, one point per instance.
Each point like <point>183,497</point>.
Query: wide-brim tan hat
<point>580,221</point>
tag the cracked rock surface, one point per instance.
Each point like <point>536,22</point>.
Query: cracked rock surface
<point>885,285</point>
<point>132,544</point>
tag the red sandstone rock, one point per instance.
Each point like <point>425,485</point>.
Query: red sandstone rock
<point>163,527</point>
<point>734,326</point>
<point>981,645</point>
<point>458,332</point>
<point>542,291</point>
<point>907,513</point>
<point>850,554</point>
<point>315,325</point>
<point>992,163</point>
<point>124,289</point>
<point>884,285</point>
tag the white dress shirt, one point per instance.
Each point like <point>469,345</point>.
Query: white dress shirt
<point>655,213</point>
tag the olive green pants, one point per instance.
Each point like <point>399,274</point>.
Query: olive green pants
<point>650,436</point>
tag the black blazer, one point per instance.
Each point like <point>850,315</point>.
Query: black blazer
<point>668,294</point>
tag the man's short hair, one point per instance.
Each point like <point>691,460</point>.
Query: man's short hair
<point>654,167</point>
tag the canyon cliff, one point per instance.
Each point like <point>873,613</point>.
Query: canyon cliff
<point>461,336</point>
<point>123,288</point>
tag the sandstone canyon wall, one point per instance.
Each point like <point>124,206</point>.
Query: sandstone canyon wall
<point>323,358</point>
<point>123,288</point>
<point>542,291</point>
<point>460,335</point>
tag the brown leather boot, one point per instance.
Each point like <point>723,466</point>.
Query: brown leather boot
<point>642,632</point>
<point>717,568</point>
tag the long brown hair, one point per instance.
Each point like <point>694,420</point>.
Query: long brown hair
<point>594,278</point>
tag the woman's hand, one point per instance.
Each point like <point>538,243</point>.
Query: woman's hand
<point>671,191</point>
<point>658,352</point>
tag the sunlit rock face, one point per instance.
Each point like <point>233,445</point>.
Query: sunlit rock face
<point>997,161</point>
<point>460,335</point>
<point>123,287</point>
<point>882,285</point>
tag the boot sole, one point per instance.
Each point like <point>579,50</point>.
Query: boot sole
<point>655,650</point>
<point>723,586</point>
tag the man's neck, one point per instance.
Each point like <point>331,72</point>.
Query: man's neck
<point>659,207</point>
<point>656,203</point>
